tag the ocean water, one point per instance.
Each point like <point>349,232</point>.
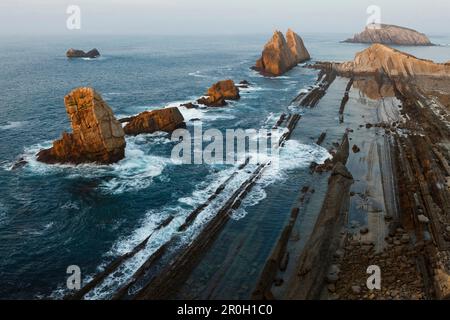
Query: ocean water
<point>52,217</point>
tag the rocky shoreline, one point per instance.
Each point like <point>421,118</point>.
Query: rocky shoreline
<point>405,209</point>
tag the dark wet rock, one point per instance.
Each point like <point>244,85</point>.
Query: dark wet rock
<point>19,164</point>
<point>244,84</point>
<point>75,53</point>
<point>166,120</point>
<point>190,105</point>
<point>97,136</point>
<point>356,149</point>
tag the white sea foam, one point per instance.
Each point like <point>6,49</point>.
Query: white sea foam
<point>13,125</point>
<point>198,74</point>
<point>154,217</point>
<point>70,205</point>
<point>293,155</point>
<point>135,172</point>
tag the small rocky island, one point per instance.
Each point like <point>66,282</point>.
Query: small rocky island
<point>219,93</point>
<point>390,34</point>
<point>282,54</point>
<point>75,53</point>
<point>97,136</point>
<point>166,120</point>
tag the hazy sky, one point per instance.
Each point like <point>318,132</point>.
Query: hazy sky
<point>219,17</point>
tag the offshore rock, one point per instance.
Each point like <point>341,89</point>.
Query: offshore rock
<point>75,53</point>
<point>281,55</point>
<point>97,136</point>
<point>392,35</point>
<point>166,120</point>
<point>219,93</point>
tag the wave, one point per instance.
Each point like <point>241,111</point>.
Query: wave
<point>13,125</point>
<point>294,155</point>
<point>3,213</point>
<point>151,221</point>
<point>198,74</point>
<point>135,172</point>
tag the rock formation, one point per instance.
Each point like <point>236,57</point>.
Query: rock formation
<point>280,54</point>
<point>166,120</point>
<point>97,136</point>
<point>74,53</point>
<point>390,34</point>
<point>219,93</point>
<point>383,60</point>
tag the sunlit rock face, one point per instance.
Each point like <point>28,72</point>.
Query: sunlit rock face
<point>96,134</point>
<point>219,93</point>
<point>390,34</point>
<point>166,120</point>
<point>382,60</point>
<point>281,54</point>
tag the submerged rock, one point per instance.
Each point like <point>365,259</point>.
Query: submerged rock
<point>280,54</point>
<point>75,53</point>
<point>382,60</point>
<point>97,136</point>
<point>219,93</point>
<point>166,120</point>
<point>390,34</point>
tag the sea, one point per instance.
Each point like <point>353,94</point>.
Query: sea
<point>56,216</point>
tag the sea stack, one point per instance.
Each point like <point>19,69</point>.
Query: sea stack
<point>282,54</point>
<point>382,60</point>
<point>219,93</point>
<point>391,35</point>
<point>97,136</point>
<point>166,120</point>
<point>75,53</point>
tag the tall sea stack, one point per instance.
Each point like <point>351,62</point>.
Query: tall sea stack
<point>97,136</point>
<point>282,54</point>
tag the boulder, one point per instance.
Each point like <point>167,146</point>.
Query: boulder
<point>96,134</point>
<point>281,55</point>
<point>166,120</point>
<point>390,34</point>
<point>219,93</point>
<point>381,60</point>
<point>75,53</point>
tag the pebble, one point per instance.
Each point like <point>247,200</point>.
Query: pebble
<point>405,239</point>
<point>332,278</point>
<point>423,219</point>
<point>332,288</point>
<point>356,289</point>
<point>338,254</point>
<point>364,231</point>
